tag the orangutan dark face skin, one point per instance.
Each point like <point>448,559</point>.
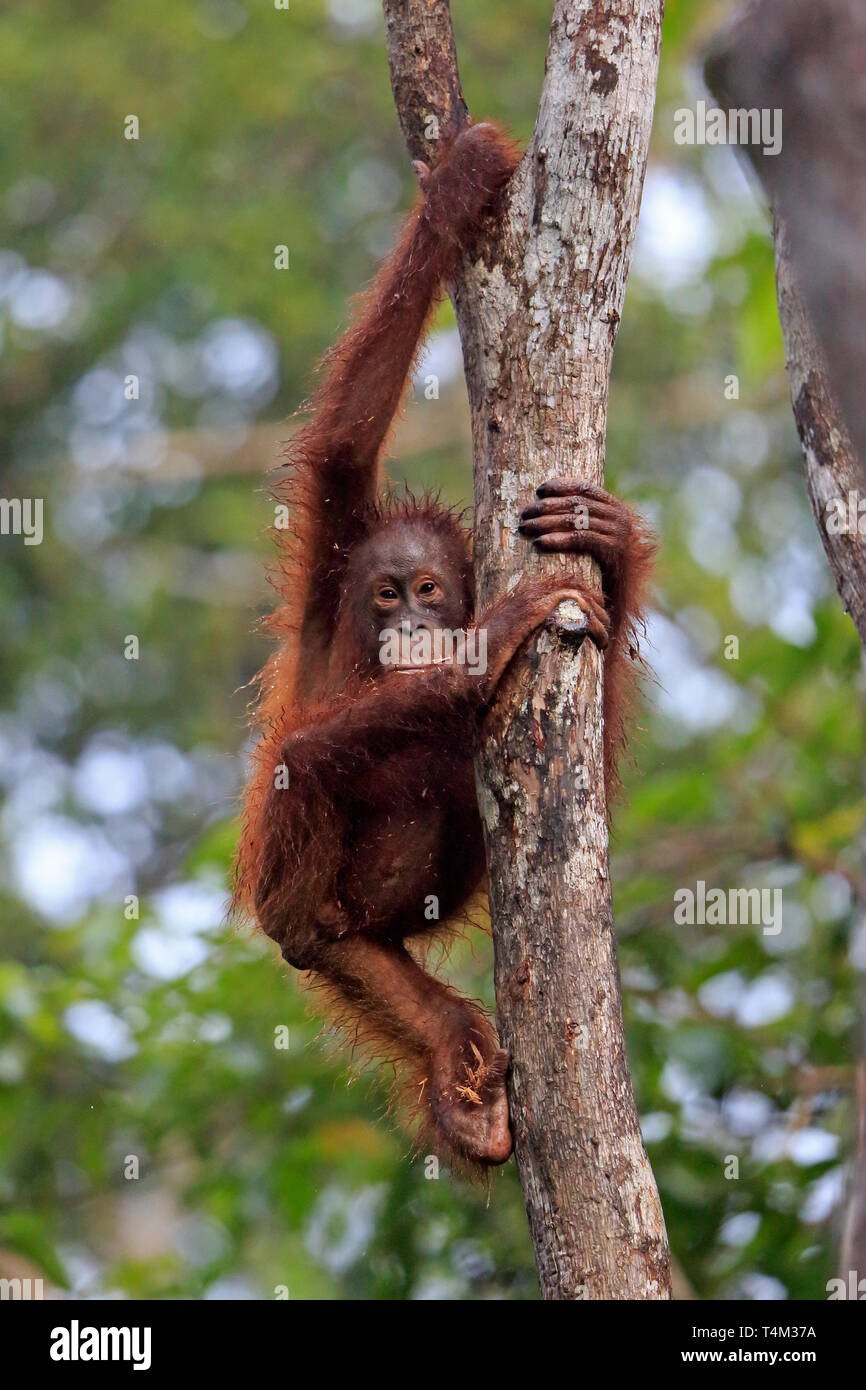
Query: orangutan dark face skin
<point>404,579</point>
<point>361,825</point>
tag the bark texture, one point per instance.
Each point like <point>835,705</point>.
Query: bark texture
<point>833,472</point>
<point>538,313</point>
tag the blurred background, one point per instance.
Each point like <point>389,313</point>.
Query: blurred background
<point>170,1126</point>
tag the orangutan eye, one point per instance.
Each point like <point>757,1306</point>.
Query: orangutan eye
<point>388,594</point>
<point>428,587</point>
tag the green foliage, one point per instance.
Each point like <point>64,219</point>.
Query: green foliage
<point>154,1037</point>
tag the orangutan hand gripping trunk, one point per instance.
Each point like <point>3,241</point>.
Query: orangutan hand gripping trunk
<point>361,807</point>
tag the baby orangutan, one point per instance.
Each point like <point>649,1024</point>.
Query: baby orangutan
<point>361,808</point>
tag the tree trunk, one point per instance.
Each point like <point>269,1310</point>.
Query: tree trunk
<point>538,313</point>
<point>833,472</point>
<point>807,58</point>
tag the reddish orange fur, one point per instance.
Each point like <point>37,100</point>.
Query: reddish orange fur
<point>626,600</point>
<point>379,806</point>
<point>351,415</point>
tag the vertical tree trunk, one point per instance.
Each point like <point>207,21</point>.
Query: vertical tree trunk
<point>538,315</point>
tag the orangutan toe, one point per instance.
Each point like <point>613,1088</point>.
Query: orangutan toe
<point>471,1108</point>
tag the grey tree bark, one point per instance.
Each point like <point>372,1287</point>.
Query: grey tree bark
<point>833,471</point>
<point>807,58</point>
<point>538,312</point>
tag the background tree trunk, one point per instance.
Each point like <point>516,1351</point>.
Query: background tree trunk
<point>538,313</point>
<point>807,58</point>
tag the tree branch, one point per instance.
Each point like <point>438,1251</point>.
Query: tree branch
<point>422,58</point>
<point>538,313</point>
<point>758,60</point>
<point>833,472</point>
